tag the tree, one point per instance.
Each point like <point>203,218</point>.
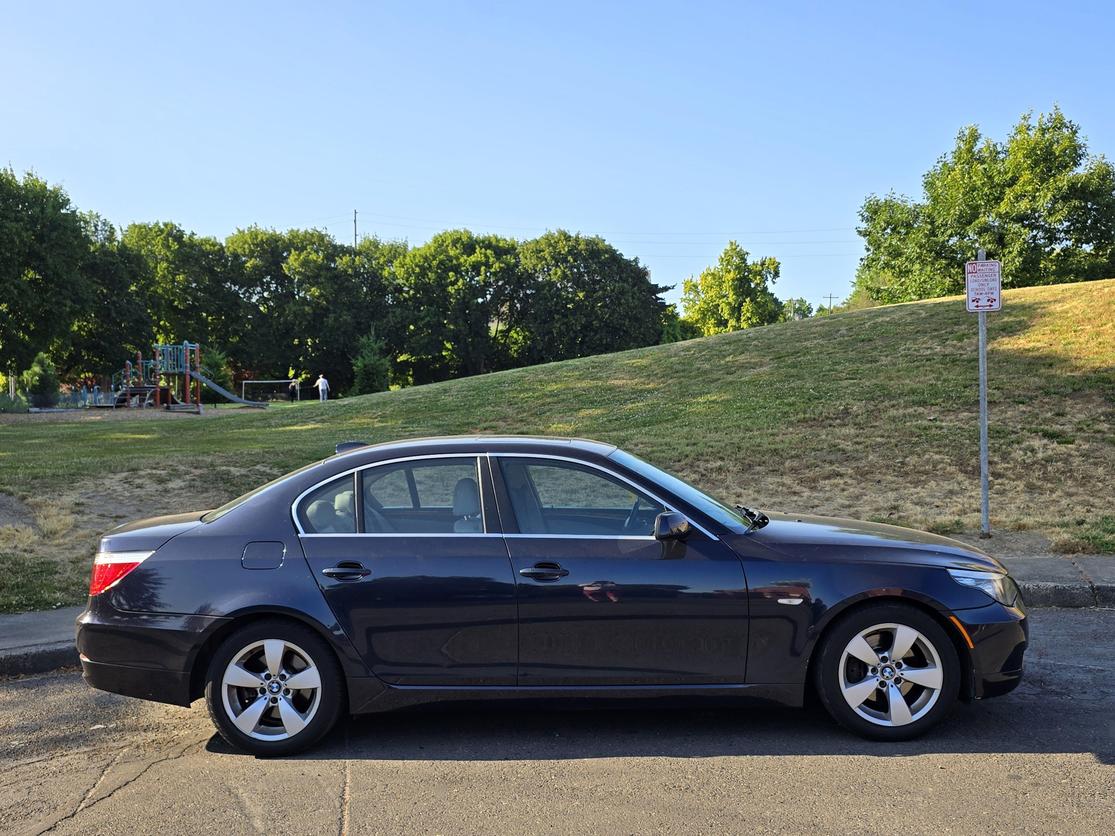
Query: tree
<point>1038,202</point>
<point>117,322</point>
<point>371,368</point>
<point>674,328</point>
<point>796,308</point>
<point>215,365</point>
<point>40,382</point>
<point>42,248</point>
<point>193,288</point>
<point>581,296</point>
<point>308,300</point>
<point>734,294</point>
<point>455,295</point>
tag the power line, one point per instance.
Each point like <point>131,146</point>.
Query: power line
<point>427,223</point>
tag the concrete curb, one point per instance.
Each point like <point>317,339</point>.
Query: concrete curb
<point>40,658</point>
<point>1063,595</point>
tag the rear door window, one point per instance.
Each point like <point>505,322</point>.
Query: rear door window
<point>423,496</point>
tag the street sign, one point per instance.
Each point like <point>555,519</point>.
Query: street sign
<point>984,285</point>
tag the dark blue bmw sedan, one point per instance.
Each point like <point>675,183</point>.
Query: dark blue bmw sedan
<point>496,568</point>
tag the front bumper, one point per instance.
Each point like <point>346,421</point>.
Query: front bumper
<point>999,636</point>
<point>144,655</point>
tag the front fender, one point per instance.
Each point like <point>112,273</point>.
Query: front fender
<point>784,635</point>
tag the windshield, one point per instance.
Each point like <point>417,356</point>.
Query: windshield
<point>217,513</point>
<point>727,517</point>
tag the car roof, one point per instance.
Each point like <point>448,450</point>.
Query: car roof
<point>476,444</point>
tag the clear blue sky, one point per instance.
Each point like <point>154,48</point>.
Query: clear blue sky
<point>666,128</point>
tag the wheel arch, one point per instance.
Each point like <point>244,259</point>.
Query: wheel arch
<point>926,605</point>
<point>204,653</point>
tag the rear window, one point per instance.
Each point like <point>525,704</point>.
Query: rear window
<point>217,513</point>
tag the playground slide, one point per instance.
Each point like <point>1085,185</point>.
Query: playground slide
<point>223,392</point>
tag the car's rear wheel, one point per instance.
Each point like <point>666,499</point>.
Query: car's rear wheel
<point>274,688</point>
<point>888,672</point>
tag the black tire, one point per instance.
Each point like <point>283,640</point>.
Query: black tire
<point>331,697</point>
<point>828,673</point>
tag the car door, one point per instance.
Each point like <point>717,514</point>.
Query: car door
<point>601,601</point>
<point>415,571</point>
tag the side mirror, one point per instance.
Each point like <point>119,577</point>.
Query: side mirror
<point>670,525</point>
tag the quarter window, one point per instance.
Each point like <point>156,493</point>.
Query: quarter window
<point>331,509</point>
<point>555,497</point>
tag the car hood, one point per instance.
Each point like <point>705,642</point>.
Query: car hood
<point>149,534</point>
<point>833,538</point>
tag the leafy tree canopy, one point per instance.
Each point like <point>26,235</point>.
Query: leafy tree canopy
<point>583,296</point>
<point>42,248</point>
<point>1038,202</point>
<point>733,294</point>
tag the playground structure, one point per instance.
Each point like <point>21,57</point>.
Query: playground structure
<point>171,378</point>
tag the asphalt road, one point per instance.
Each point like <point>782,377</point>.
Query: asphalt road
<point>74,760</point>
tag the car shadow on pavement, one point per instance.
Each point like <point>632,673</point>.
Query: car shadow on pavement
<point>550,732</point>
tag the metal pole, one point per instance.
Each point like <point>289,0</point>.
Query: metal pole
<point>984,482</point>
<point>354,230</point>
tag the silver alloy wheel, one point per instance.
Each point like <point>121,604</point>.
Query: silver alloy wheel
<point>891,674</point>
<point>271,689</point>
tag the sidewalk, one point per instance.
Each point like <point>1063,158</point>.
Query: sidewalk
<point>33,642</point>
<point>41,641</point>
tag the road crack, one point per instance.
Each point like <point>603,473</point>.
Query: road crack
<point>342,820</point>
<point>85,804</point>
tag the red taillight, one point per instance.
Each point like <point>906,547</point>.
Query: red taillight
<point>110,567</point>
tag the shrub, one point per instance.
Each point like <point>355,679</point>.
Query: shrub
<point>10,404</point>
<point>371,368</point>
<point>40,382</point>
<point>215,366</point>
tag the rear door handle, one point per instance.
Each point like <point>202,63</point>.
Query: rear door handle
<point>346,570</point>
<point>544,572</point>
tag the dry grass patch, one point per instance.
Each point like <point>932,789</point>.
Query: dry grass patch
<point>16,537</point>
<point>54,522</point>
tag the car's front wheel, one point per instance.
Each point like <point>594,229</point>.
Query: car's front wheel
<point>274,688</point>
<point>888,672</point>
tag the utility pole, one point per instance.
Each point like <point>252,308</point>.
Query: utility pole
<point>353,229</point>
<point>830,297</point>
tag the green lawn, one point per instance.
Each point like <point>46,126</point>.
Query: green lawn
<point>869,414</point>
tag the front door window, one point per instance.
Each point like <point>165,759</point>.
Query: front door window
<point>565,498</point>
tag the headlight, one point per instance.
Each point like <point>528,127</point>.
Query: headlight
<point>999,586</point>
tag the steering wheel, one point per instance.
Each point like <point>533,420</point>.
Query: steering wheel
<point>633,517</point>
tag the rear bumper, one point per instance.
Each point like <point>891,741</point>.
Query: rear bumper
<point>1000,636</point>
<point>143,683</point>
<point>144,655</point>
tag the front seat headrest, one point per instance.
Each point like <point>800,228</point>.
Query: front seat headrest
<point>466,498</point>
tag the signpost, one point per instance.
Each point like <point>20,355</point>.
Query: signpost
<point>983,291</point>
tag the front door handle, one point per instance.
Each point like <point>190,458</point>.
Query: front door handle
<point>544,572</point>
<point>346,570</point>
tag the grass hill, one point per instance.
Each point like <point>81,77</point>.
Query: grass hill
<point>869,414</point>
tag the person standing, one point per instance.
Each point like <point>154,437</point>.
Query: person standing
<point>322,386</point>
<point>292,391</point>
